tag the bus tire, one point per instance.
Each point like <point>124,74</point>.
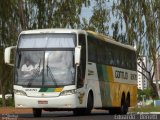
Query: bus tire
<point>85,111</point>
<point>124,107</point>
<point>37,112</point>
<point>78,111</point>
<point>113,111</point>
<point>89,104</point>
<point>128,102</point>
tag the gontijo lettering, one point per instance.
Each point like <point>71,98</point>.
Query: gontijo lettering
<point>121,74</point>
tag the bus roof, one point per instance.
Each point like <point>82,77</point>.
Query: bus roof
<point>55,30</point>
<point>110,40</point>
<point>64,30</point>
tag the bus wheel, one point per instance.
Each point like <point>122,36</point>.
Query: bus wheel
<point>85,111</point>
<point>127,103</point>
<point>114,111</point>
<point>78,111</point>
<point>89,104</point>
<point>124,107</point>
<point>37,112</point>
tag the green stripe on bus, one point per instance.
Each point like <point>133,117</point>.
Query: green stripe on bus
<point>104,85</point>
<point>105,76</point>
<point>43,89</point>
<point>50,90</point>
<point>47,90</point>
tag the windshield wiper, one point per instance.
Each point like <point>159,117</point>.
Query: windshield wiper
<point>51,74</point>
<point>37,70</point>
<point>35,74</point>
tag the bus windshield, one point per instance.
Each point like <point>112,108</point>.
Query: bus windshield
<point>45,68</point>
<point>45,60</point>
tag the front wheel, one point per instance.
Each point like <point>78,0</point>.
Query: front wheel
<point>37,112</point>
<point>89,104</point>
<point>85,111</point>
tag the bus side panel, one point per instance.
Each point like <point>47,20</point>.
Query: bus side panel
<point>104,85</point>
<point>117,90</point>
<point>114,88</point>
<point>133,90</point>
<point>111,88</point>
<point>115,94</point>
<point>93,83</point>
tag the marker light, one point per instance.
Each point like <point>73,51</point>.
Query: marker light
<point>68,92</point>
<point>20,92</point>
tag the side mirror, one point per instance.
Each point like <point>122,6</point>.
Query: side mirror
<point>8,53</point>
<point>77,55</point>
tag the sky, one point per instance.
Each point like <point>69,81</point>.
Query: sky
<point>87,13</point>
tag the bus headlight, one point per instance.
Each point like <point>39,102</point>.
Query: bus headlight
<point>68,92</point>
<point>20,92</point>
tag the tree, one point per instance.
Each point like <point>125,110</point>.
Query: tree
<point>99,19</point>
<point>54,13</point>
<point>7,37</point>
<point>147,93</point>
<point>148,74</point>
<point>151,12</point>
<point>141,21</point>
<point>153,34</point>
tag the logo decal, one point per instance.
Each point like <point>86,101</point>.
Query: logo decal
<point>42,94</point>
<point>80,97</point>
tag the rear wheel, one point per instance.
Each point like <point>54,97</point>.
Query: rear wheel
<point>127,103</point>
<point>124,107</point>
<point>114,111</point>
<point>37,112</point>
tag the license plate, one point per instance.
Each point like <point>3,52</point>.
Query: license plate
<point>42,102</point>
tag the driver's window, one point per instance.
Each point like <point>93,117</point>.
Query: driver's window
<point>29,62</point>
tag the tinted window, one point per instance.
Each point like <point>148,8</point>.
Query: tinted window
<point>102,52</point>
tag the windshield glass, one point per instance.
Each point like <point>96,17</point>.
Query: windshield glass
<point>45,68</point>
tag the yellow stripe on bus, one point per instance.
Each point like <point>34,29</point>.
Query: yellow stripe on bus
<point>58,90</point>
<point>116,90</point>
<point>110,73</point>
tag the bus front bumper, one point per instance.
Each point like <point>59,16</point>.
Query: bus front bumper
<point>68,101</point>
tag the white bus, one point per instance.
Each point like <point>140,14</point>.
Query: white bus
<point>69,69</point>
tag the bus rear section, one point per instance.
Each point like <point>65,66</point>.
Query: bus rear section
<point>112,73</point>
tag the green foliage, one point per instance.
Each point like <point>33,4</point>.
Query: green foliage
<point>146,93</point>
<point>126,13</point>
<point>150,108</point>
<point>9,102</point>
<point>99,19</point>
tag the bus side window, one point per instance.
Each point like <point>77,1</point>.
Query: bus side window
<point>82,66</point>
